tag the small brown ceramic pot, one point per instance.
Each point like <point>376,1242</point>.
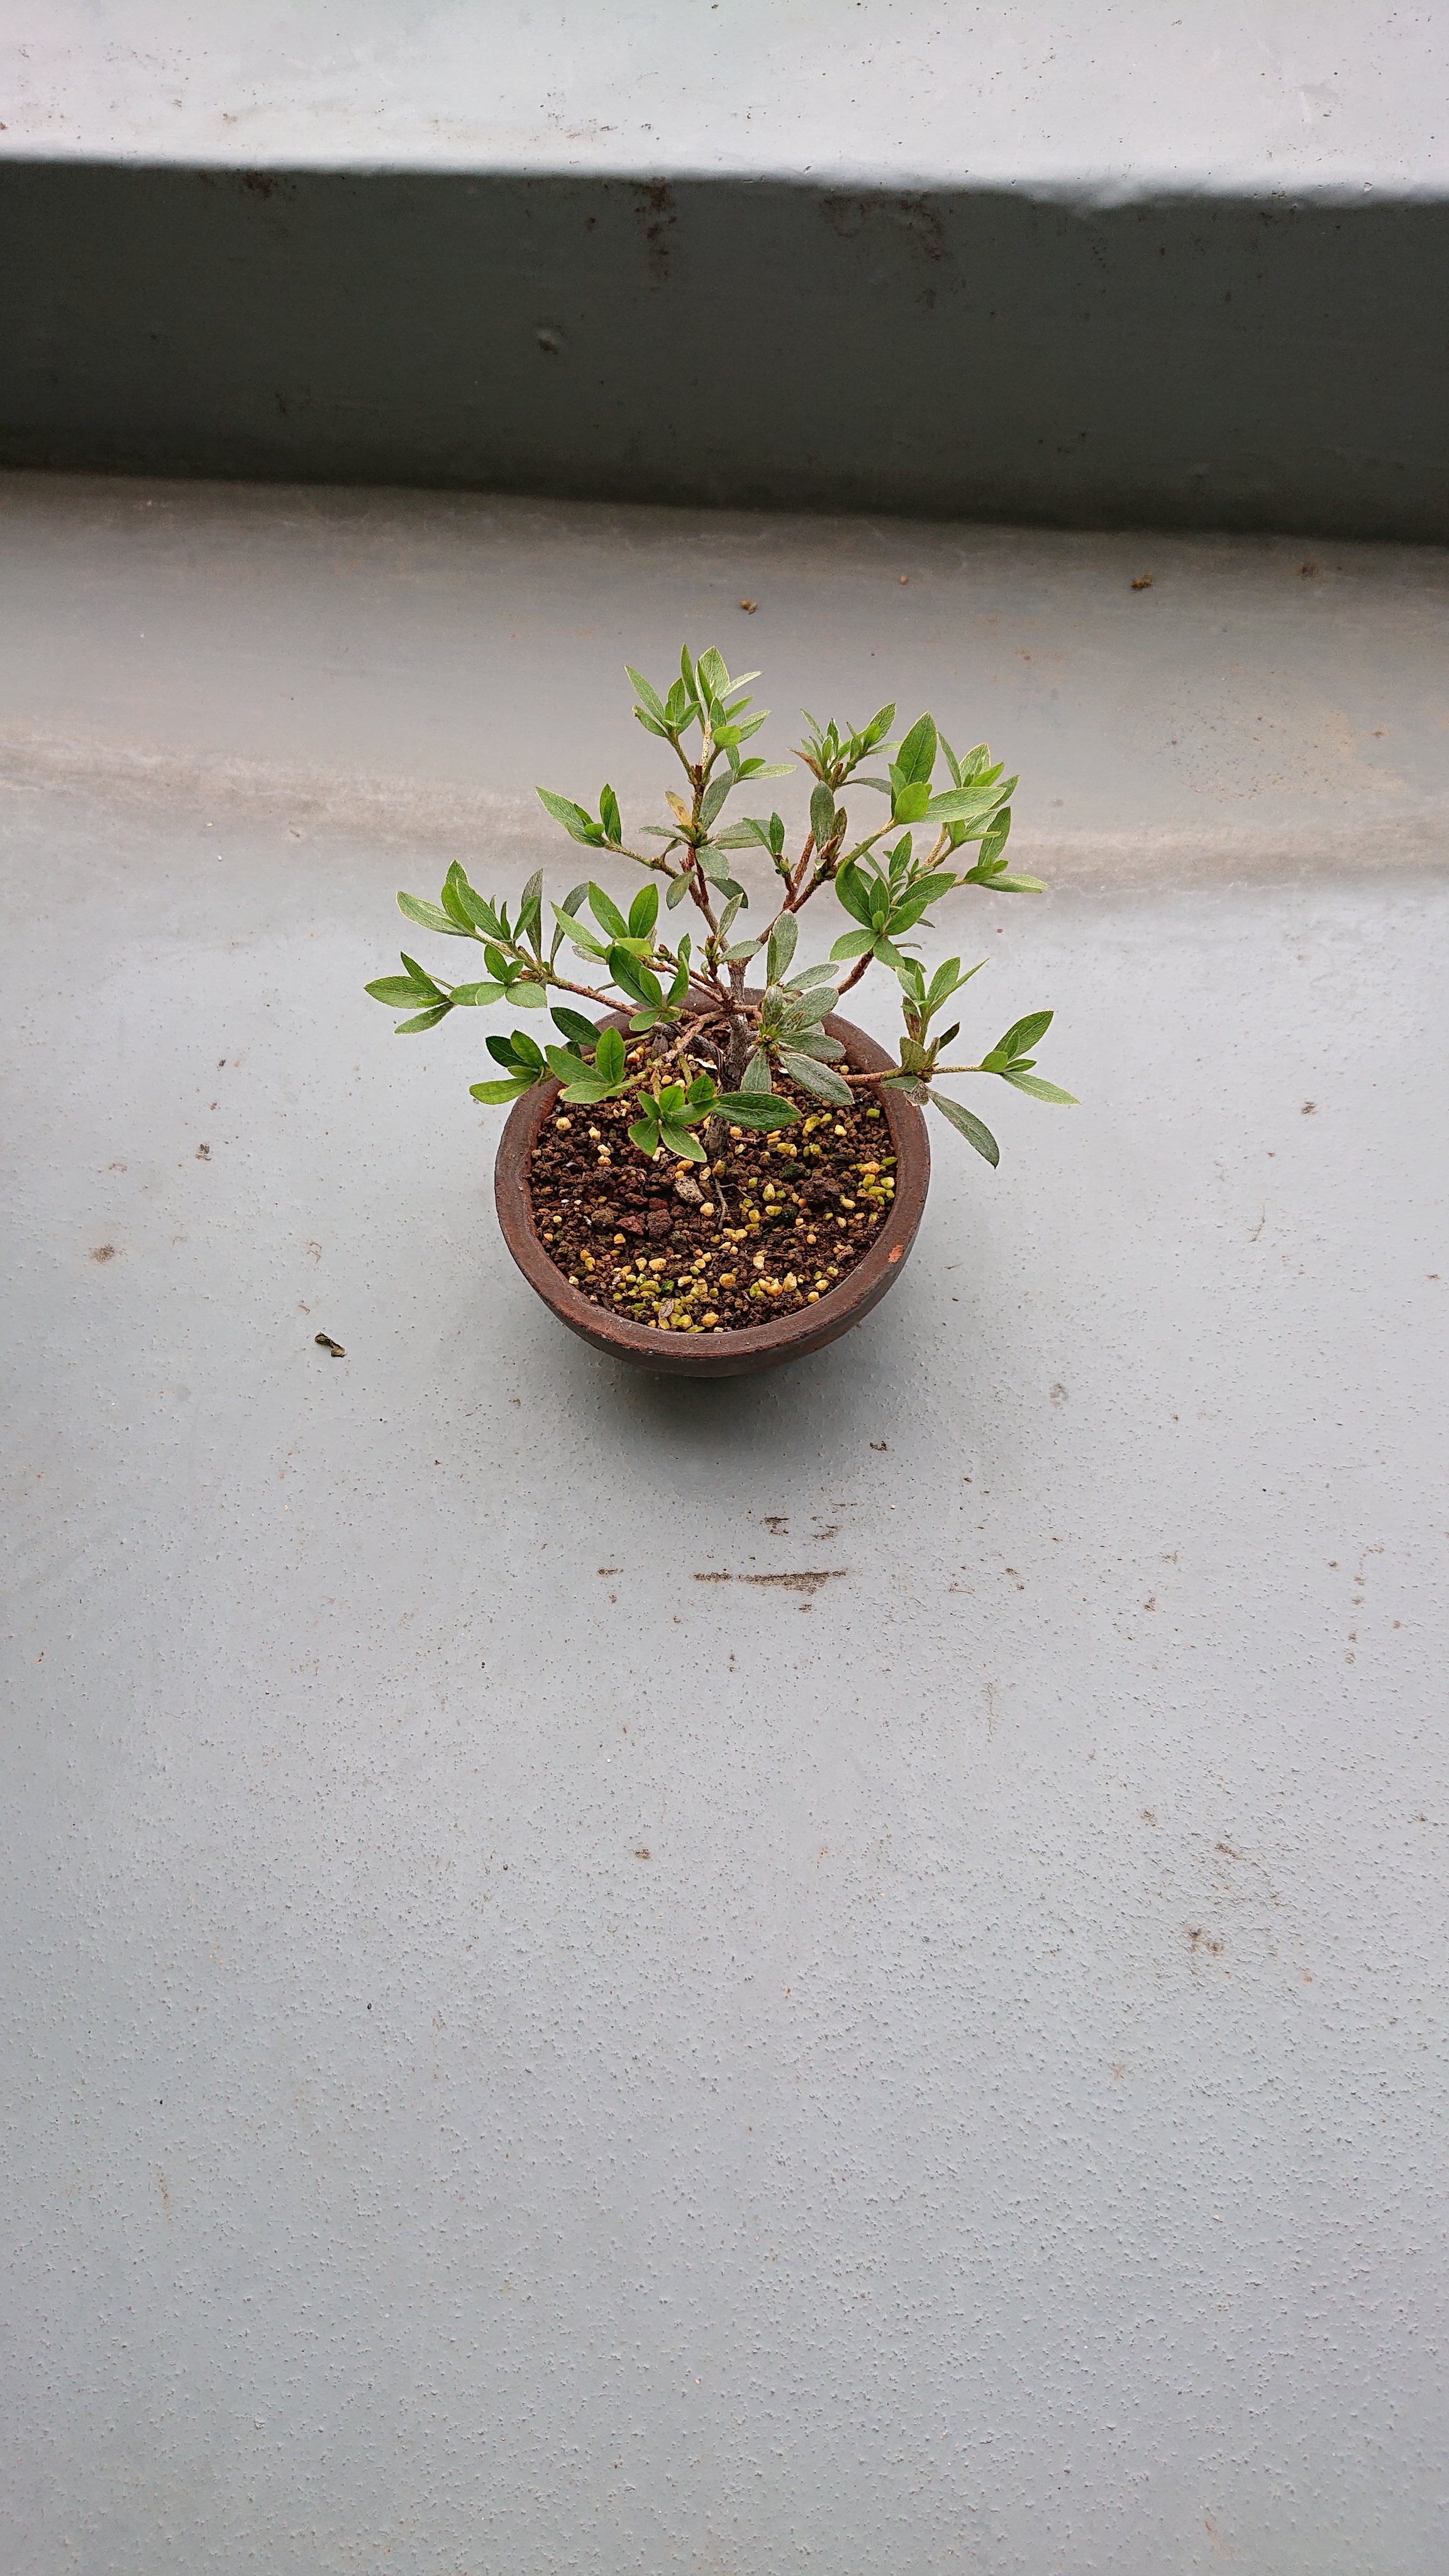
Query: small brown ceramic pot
<point>761,1346</point>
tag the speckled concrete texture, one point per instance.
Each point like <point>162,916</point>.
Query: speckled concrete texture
<point>844,1971</point>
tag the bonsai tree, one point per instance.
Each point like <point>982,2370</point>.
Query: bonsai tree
<point>714,1060</point>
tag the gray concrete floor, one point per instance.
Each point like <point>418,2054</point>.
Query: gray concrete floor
<point>518,2057</point>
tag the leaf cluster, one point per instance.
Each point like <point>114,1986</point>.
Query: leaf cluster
<point>688,997</point>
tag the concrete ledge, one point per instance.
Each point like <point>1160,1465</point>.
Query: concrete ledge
<point>1250,363</point>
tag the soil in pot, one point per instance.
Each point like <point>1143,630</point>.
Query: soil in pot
<point>765,1230</point>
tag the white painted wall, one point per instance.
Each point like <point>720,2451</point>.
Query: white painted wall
<point>1112,99</point>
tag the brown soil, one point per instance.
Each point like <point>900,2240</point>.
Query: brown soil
<point>767,1229</point>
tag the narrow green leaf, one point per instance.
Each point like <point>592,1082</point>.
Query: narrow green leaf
<point>647,697</point>
<point>781,946</point>
<point>966,804</point>
<point>762,1109</point>
<point>607,914</point>
<point>494,1091</point>
<point>579,825</point>
<point>609,816</point>
<point>451,899</point>
<point>1023,1035</point>
<point>424,1020</point>
<point>609,1056</point>
<point>573,1025</point>
<point>856,891</point>
<point>757,1072</point>
<point>421,978</point>
<point>680,1141</point>
<point>815,1077</point>
<point>969,1127</point>
<point>431,916</point>
<point>917,755</point>
<point>399,992</point>
<point>476,997</point>
<point>1039,1090</point>
<point>643,912</point>
<point>855,943</point>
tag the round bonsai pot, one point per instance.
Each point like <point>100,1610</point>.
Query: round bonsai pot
<point>760,1346</point>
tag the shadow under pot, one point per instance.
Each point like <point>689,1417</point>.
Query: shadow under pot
<point>720,1351</point>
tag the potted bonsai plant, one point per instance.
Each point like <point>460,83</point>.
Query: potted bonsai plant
<point>712,1174</point>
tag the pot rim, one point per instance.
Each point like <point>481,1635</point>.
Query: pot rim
<point>726,1352</point>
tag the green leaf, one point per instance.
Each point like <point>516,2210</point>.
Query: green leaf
<point>529,997</point>
<point>579,825</point>
<point>767,769</point>
<point>679,1140</point>
<point>494,1091</point>
<point>588,1091</point>
<point>476,997</point>
<point>781,947</point>
<point>917,755</point>
<point>815,1077</point>
<point>995,838</point>
<point>452,898</point>
<point>573,1025</point>
<point>565,1063</point>
<point>822,814</point>
<point>643,912</point>
<point>712,799</point>
<point>424,1020</point>
<point>763,1109</point>
<point>645,1134</point>
<point>809,975</point>
<point>855,943</point>
<point>431,916</point>
<point>609,817</point>
<point>1038,1089</point>
<point>911,802</point>
<point>811,1042</point>
<point>609,1056</point>
<point>918,895</point>
<point>711,670</point>
<point>1023,1035</point>
<point>757,1072</point>
<point>678,888</point>
<point>857,892</point>
<point>967,804</point>
<point>971,1128</point>
<point>701,1092</point>
<point>481,913</point>
<point>518,1051</point>
<point>400,992</point>
<point>607,914</point>
<point>1017,885</point>
<point>637,981</point>
<point>647,697</point>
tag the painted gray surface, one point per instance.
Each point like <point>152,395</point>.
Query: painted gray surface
<point>407,667</point>
<point>1247,363</point>
<point>1086,266</point>
<point>999,2126</point>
